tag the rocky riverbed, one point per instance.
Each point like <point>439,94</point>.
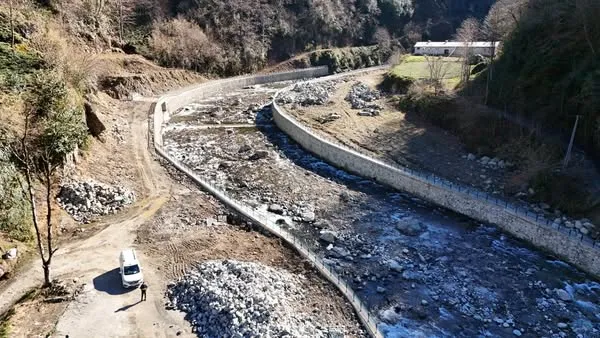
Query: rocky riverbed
<point>423,270</point>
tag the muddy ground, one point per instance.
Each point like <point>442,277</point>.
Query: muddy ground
<point>423,270</point>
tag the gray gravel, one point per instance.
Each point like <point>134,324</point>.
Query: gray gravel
<point>308,93</point>
<point>243,299</point>
<point>89,199</point>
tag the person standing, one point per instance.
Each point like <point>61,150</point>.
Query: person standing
<point>144,287</point>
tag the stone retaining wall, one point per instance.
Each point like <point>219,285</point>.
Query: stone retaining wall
<point>580,253</point>
<point>166,105</point>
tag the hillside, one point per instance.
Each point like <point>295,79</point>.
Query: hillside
<point>228,37</point>
<point>549,71</point>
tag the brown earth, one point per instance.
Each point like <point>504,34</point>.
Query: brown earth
<point>394,136</point>
<point>153,225</point>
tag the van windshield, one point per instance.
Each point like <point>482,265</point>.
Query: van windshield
<point>131,270</point>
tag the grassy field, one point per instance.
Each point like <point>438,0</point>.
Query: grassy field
<point>415,66</point>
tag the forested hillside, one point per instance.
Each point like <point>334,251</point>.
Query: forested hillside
<point>232,36</point>
<point>550,68</point>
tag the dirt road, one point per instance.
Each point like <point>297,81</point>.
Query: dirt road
<point>94,262</point>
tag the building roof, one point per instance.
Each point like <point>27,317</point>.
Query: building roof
<point>454,44</point>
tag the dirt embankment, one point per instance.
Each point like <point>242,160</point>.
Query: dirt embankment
<point>409,140</point>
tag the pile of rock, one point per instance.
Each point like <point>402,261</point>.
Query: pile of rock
<point>88,199</point>
<point>584,226</point>
<point>492,163</point>
<point>242,299</point>
<point>360,94</point>
<point>308,93</point>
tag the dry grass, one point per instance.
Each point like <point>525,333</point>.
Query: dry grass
<point>79,69</point>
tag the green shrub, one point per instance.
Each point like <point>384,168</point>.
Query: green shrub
<point>431,106</point>
<point>14,208</point>
<point>345,59</point>
<point>48,93</point>
<point>394,83</point>
<point>562,192</point>
<point>16,66</point>
<point>62,132</point>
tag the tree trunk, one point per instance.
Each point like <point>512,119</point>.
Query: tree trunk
<point>12,28</point>
<point>46,266</point>
<point>490,73</point>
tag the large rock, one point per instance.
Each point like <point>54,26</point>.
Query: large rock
<point>410,227</point>
<point>276,209</point>
<point>395,266</point>
<point>328,236</point>
<point>95,126</point>
<point>563,295</point>
<point>308,216</point>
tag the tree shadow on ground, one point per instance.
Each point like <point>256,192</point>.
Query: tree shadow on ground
<point>110,282</point>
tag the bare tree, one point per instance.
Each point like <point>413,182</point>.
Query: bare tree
<point>468,32</point>
<point>437,67</point>
<point>587,13</point>
<point>500,22</point>
<point>124,13</point>
<point>12,24</point>
<point>39,165</point>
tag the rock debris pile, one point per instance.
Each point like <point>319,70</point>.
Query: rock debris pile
<point>243,299</point>
<point>308,93</point>
<point>88,199</point>
<point>360,96</point>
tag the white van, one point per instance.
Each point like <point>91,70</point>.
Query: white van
<point>130,269</point>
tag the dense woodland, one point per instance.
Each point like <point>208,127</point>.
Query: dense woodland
<point>549,70</point>
<point>242,36</point>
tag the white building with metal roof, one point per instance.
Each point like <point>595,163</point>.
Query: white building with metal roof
<point>456,48</point>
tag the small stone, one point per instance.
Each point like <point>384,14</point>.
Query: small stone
<point>578,224</point>
<point>498,320</point>
<point>569,224</point>
<point>424,302</point>
<point>562,325</point>
<point>470,157</point>
<point>517,333</point>
<point>381,289</point>
<point>584,231</point>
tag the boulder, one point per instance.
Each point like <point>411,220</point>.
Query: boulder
<point>563,295</point>
<point>328,236</point>
<point>95,126</point>
<point>275,208</point>
<point>308,216</point>
<point>395,266</point>
<point>11,253</point>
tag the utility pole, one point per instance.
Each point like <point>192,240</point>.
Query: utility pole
<point>568,155</point>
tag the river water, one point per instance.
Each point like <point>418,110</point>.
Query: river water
<point>423,270</point>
